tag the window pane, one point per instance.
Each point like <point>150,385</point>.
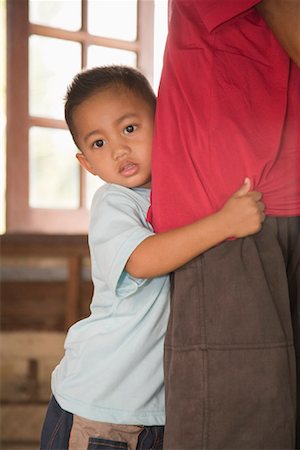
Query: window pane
<point>54,176</point>
<point>99,56</point>
<point>52,65</point>
<point>56,13</point>
<point>2,113</point>
<point>160,34</point>
<point>113,18</point>
<point>92,184</point>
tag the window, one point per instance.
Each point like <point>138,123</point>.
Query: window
<point>48,42</point>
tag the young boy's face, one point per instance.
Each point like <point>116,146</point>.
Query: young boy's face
<point>114,130</point>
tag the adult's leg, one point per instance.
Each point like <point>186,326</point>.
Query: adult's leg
<point>229,353</point>
<point>289,237</point>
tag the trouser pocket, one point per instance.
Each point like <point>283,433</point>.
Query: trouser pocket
<point>105,444</point>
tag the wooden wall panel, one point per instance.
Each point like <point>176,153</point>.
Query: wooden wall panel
<point>35,305</point>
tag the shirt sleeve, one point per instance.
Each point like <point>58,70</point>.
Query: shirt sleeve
<point>214,13</point>
<point>118,225</point>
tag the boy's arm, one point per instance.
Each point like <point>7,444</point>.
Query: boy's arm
<point>165,252</point>
<point>283,17</point>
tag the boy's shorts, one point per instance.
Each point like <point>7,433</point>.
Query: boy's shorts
<point>230,348</point>
<point>65,431</point>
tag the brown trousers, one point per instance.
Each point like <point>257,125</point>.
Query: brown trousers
<point>230,360</point>
<point>86,434</point>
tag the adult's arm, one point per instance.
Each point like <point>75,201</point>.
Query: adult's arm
<point>283,17</point>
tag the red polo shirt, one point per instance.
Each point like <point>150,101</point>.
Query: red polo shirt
<point>228,107</point>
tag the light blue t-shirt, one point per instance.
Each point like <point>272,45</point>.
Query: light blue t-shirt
<point>112,370</point>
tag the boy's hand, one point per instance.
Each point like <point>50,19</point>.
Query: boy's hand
<point>243,213</point>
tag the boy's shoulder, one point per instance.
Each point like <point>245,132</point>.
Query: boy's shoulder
<point>109,188</point>
<point>117,192</point>
<point>114,204</point>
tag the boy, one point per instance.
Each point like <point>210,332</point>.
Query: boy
<point>108,389</point>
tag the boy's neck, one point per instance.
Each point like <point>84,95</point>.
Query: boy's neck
<point>144,186</point>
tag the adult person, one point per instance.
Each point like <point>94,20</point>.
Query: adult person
<point>229,105</point>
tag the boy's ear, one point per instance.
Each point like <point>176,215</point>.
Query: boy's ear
<point>84,163</point>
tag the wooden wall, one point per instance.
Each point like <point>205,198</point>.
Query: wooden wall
<point>45,288</point>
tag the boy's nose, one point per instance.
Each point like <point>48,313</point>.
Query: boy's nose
<point>119,151</point>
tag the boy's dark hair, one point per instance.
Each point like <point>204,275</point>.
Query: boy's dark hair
<point>87,82</point>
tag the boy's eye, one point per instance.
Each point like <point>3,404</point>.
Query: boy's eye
<point>99,143</point>
<point>130,129</point>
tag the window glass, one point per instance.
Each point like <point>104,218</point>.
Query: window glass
<point>113,19</point>
<point>53,168</point>
<point>2,113</point>
<point>160,35</point>
<point>49,74</point>
<point>98,56</point>
<point>56,13</point>
<point>92,184</point>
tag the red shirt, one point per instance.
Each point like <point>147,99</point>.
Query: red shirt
<point>228,107</point>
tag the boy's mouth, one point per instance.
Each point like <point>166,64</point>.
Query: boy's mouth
<point>128,169</point>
